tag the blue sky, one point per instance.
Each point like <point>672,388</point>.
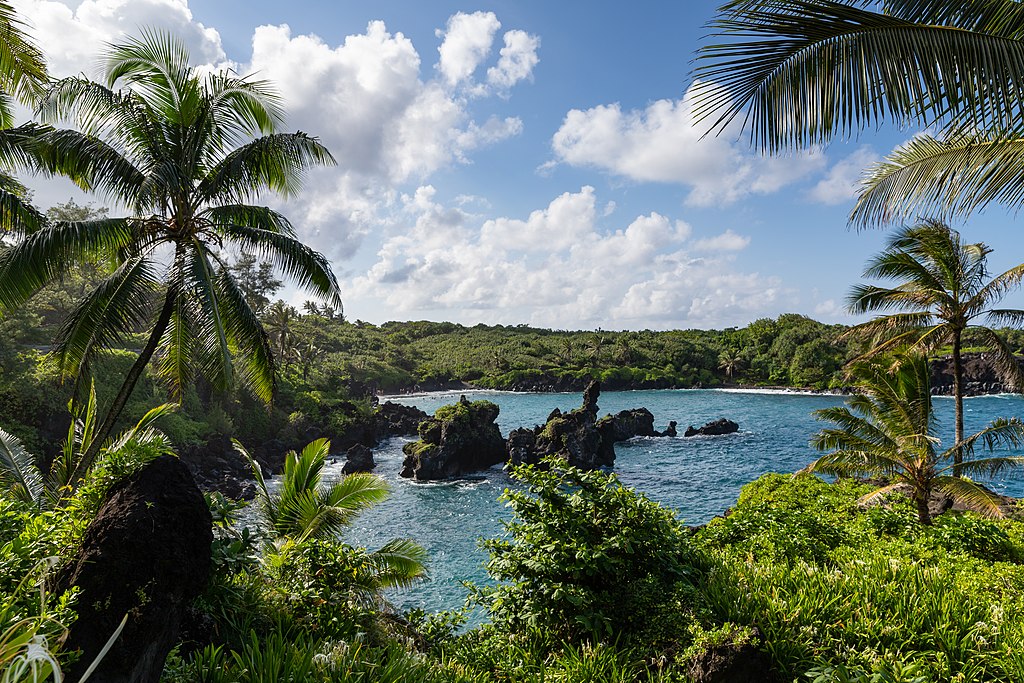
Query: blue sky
<point>525,162</point>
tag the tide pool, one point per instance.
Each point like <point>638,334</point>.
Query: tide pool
<point>698,477</point>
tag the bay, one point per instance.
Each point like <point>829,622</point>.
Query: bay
<point>698,477</point>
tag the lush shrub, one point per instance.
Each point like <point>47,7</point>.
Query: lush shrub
<point>586,558</point>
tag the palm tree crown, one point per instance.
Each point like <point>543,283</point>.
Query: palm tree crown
<point>943,286</point>
<point>887,430</point>
<point>186,153</point>
<point>801,72</point>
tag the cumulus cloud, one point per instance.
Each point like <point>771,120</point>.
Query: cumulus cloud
<point>72,38</point>
<point>727,241</point>
<point>518,58</point>
<point>663,143</point>
<point>467,42</point>
<point>842,180</point>
<point>559,267</point>
<point>368,102</point>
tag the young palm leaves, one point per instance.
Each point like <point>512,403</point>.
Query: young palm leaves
<point>887,431</point>
<point>304,508</point>
<point>187,153</point>
<point>21,478</point>
<point>799,73</point>
<point>943,288</point>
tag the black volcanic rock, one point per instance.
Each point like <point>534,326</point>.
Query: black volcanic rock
<point>629,423</point>
<point>145,555</point>
<point>459,439</point>
<point>715,428</point>
<point>576,437</point>
<point>359,458</point>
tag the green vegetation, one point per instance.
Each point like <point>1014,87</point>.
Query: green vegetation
<point>943,287</point>
<point>188,188</point>
<point>887,431</point>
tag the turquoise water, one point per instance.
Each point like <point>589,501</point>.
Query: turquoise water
<point>699,477</point>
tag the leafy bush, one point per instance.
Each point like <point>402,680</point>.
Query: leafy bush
<point>589,559</point>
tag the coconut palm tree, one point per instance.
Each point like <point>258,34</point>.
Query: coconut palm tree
<point>943,289</point>
<point>887,430</point>
<point>278,323</point>
<point>799,73</point>
<point>303,508</point>
<point>177,148</point>
<point>731,362</point>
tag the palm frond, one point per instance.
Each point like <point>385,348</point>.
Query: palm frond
<point>943,176</point>
<point>22,64</point>
<point>247,336</point>
<point>276,162</point>
<point>19,475</point>
<point>307,267</point>
<point>43,255</point>
<point>803,71</point>
<point>971,495</point>
<point>104,318</point>
<point>399,563</point>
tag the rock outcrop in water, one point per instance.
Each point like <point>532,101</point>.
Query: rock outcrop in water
<point>147,555</point>
<point>575,437</point>
<point>459,439</point>
<point>359,458</point>
<point>714,428</point>
<point>626,424</point>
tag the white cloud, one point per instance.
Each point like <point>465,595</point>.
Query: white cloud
<point>365,98</point>
<point>663,143</point>
<point>73,38</point>
<point>517,60</point>
<point>467,42</point>
<point>558,267</point>
<point>727,241</point>
<point>842,180</point>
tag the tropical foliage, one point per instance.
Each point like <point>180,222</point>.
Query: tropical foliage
<point>22,479</point>
<point>887,431</point>
<point>942,288</point>
<point>176,148</point>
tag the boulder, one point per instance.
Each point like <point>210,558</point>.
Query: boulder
<point>629,423</point>
<point>147,555</point>
<point>715,428</point>
<point>670,431</point>
<point>459,439</point>
<point>359,458</point>
<point>395,419</point>
<point>731,663</point>
<point>217,466</point>
<point>575,437</point>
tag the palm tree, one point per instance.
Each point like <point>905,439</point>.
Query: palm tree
<point>278,322</point>
<point>799,73</point>
<point>731,362</point>
<point>177,148</point>
<point>21,478</point>
<point>943,287</point>
<point>304,508</point>
<point>887,430</point>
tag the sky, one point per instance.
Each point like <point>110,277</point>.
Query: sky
<point>524,162</point>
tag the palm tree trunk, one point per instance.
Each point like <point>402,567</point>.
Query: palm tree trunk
<point>923,514</point>
<point>125,392</point>
<point>958,400</point>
